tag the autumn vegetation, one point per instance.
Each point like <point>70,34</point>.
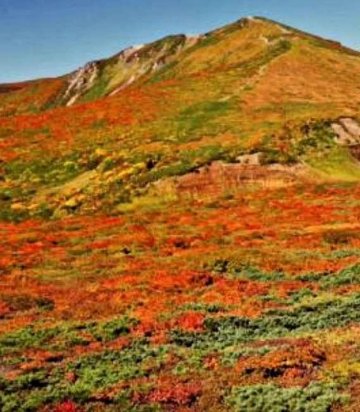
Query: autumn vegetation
<point>136,276</point>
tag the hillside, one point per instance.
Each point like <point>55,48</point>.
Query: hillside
<point>180,228</point>
<point>218,96</point>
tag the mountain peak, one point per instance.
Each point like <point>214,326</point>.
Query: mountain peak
<point>238,44</point>
<point>179,228</point>
<point>136,62</point>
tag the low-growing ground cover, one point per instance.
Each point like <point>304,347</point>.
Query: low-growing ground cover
<point>249,301</point>
<point>179,228</point>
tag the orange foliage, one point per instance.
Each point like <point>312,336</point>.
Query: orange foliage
<point>169,391</point>
<point>297,359</point>
<point>190,321</point>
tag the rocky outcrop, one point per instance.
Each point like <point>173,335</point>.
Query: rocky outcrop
<point>138,61</point>
<point>219,177</point>
<point>250,159</point>
<point>131,53</point>
<point>80,82</point>
<point>123,69</point>
<point>347,131</point>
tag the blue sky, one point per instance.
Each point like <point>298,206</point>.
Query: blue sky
<point>40,38</point>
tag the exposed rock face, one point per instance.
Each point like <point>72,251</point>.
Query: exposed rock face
<point>123,69</point>
<point>250,159</point>
<point>131,53</point>
<point>351,126</point>
<point>80,82</point>
<point>347,131</point>
<point>138,61</point>
<point>220,177</point>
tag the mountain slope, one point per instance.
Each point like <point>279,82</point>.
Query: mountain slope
<point>175,105</point>
<point>220,48</point>
<point>179,229</point>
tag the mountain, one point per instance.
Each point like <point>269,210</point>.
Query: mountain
<point>180,228</point>
<point>172,106</point>
<point>248,40</point>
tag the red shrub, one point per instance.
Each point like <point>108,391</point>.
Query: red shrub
<point>190,321</point>
<point>67,406</point>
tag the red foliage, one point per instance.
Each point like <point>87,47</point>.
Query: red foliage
<point>296,359</point>
<point>190,321</point>
<point>172,393</point>
<point>4,309</point>
<point>67,406</point>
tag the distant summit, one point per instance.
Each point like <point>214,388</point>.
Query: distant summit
<point>280,103</point>
<point>248,36</point>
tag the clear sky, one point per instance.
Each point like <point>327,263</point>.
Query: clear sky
<point>40,38</point>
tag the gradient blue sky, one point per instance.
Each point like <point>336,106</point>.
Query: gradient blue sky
<point>40,38</point>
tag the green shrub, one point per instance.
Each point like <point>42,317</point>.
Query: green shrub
<point>109,367</point>
<point>30,391</point>
<point>64,335</point>
<point>317,397</point>
<point>111,330</point>
<point>222,332</point>
<point>203,307</point>
<point>229,267</point>
<point>347,276</point>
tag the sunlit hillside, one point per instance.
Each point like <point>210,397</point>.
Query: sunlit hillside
<point>180,228</point>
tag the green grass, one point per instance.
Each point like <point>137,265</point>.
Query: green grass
<point>320,151</point>
<point>336,164</point>
<point>97,90</point>
<point>199,119</point>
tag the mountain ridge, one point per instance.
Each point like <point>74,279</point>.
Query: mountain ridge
<point>180,229</point>
<point>175,105</point>
<point>82,79</point>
